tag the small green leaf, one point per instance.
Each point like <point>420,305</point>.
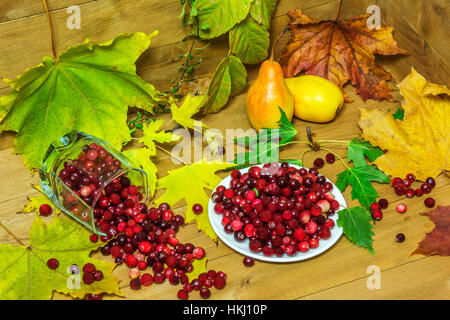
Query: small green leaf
<point>358,149</point>
<point>357,226</point>
<point>220,16</point>
<point>296,162</point>
<point>262,11</point>
<point>360,179</point>
<point>238,76</point>
<point>399,114</point>
<point>249,41</point>
<point>219,88</point>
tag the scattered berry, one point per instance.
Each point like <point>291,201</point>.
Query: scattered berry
<point>429,202</point>
<point>383,203</point>
<point>197,208</point>
<point>52,263</point>
<point>400,237</point>
<point>330,158</point>
<point>318,163</point>
<point>401,208</point>
<point>45,210</point>
<point>249,261</point>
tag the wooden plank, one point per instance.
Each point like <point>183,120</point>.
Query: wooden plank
<point>399,283</point>
<point>19,9</point>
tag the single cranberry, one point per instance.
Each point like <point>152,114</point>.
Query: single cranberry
<point>205,293</point>
<point>88,277</point>
<point>93,237</point>
<point>418,192</point>
<point>91,296</point>
<point>410,177</point>
<point>248,261</point>
<point>409,193</point>
<point>318,163</point>
<point>219,282</point>
<point>135,284</point>
<point>426,188</point>
<point>401,208</point>
<point>98,275</point>
<point>431,182</point>
<point>52,263</point>
<point>45,210</point>
<point>429,202</point>
<point>330,158</point>
<point>400,237</point>
<point>182,294</point>
<point>383,203</point>
<point>88,267</point>
<point>377,215</point>
<point>197,208</point>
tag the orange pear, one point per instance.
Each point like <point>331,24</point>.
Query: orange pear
<point>267,95</point>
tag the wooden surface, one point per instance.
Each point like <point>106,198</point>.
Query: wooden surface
<point>339,273</point>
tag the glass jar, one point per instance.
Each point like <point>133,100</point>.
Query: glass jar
<point>76,172</point>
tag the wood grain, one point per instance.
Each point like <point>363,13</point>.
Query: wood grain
<point>339,273</point>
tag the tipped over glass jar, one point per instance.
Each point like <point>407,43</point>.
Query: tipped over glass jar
<point>90,180</point>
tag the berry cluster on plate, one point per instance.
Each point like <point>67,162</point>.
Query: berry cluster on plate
<point>281,209</point>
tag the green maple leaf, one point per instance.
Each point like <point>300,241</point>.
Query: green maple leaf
<point>399,114</point>
<point>23,269</point>
<point>189,182</point>
<point>217,17</point>
<point>357,226</point>
<point>87,88</point>
<point>250,41</point>
<point>268,143</point>
<point>360,179</point>
<point>183,114</point>
<point>262,11</point>
<point>141,158</point>
<point>153,134</point>
<point>358,149</point>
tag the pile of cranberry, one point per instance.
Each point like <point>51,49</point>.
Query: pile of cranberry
<point>280,209</point>
<point>136,235</point>
<point>404,186</point>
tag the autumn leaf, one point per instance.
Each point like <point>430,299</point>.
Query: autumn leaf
<point>37,201</point>
<point>183,114</point>
<point>360,179</point>
<point>89,81</point>
<point>262,11</point>
<point>357,225</point>
<point>23,269</point>
<point>238,76</point>
<point>418,144</point>
<point>215,18</point>
<point>141,158</point>
<point>152,134</point>
<point>250,41</point>
<point>340,51</point>
<point>199,266</point>
<point>438,240</point>
<point>219,89</point>
<point>188,183</point>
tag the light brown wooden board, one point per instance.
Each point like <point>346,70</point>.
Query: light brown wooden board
<point>341,272</point>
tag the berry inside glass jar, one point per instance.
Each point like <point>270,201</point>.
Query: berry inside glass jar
<point>279,209</point>
<point>97,178</point>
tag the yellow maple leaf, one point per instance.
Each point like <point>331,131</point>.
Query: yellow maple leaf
<point>199,267</point>
<point>188,182</point>
<point>152,134</point>
<point>419,143</point>
<point>183,114</point>
<point>141,158</point>
<point>37,201</point>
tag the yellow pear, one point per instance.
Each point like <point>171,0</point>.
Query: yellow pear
<point>316,99</point>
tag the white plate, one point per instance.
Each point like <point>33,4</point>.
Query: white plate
<point>243,248</point>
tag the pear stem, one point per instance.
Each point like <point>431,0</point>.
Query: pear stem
<point>276,41</point>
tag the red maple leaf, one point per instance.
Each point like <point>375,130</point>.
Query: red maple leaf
<point>438,240</point>
<point>340,51</point>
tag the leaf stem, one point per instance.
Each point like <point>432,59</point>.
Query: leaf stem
<point>11,234</point>
<point>170,154</point>
<point>55,56</point>
<point>337,156</point>
<point>339,11</point>
<point>276,41</point>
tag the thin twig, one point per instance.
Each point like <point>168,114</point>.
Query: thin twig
<point>11,234</point>
<point>51,29</point>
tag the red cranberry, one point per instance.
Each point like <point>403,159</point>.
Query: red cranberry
<point>429,202</point>
<point>330,158</point>
<point>197,208</point>
<point>383,203</point>
<point>248,261</point>
<point>318,163</point>
<point>45,210</point>
<point>135,284</point>
<point>205,293</point>
<point>52,263</point>
<point>400,237</point>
